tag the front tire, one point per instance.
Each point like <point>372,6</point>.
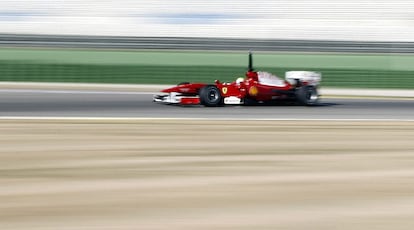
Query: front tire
<point>307,95</point>
<point>210,96</point>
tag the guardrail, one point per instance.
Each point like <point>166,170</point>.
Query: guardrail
<point>177,43</point>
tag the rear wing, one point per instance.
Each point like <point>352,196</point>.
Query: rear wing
<point>309,77</point>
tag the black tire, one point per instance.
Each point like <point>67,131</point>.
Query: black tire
<point>210,96</point>
<point>307,95</point>
<point>249,102</point>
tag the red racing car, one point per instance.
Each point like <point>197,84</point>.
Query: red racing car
<point>256,88</point>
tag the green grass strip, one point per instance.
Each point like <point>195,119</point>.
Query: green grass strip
<point>144,67</point>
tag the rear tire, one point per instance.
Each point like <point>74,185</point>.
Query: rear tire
<point>307,95</point>
<point>210,96</point>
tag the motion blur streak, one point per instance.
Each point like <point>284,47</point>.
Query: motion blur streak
<point>370,20</point>
<point>193,174</point>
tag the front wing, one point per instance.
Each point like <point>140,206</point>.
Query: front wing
<point>177,98</point>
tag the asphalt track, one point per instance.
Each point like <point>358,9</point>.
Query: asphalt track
<point>130,104</point>
<point>62,172</point>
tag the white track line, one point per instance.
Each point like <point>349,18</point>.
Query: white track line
<point>111,92</point>
<point>73,92</point>
<point>191,119</point>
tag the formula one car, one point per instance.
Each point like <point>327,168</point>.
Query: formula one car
<point>256,88</point>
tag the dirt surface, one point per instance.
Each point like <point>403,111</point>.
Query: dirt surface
<point>177,174</point>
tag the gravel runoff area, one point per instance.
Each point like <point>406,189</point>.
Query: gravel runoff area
<point>195,174</point>
<point>405,93</point>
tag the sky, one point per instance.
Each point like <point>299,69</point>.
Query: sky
<point>371,20</point>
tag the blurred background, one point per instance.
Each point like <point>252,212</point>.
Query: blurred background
<point>366,43</point>
<point>108,173</point>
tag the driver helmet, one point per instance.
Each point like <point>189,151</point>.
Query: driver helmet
<point>239,80</point>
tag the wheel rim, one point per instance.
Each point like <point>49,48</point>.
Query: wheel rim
<point>213,95</point>
<point>311,95</point>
